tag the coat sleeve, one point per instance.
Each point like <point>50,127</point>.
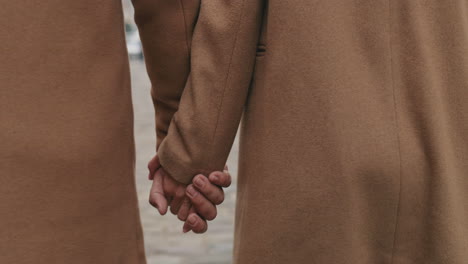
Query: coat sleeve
<point>166,29</point>
<point>203,129</point>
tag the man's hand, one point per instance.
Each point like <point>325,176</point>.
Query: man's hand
<point>193,204</point>
<point>204,194</point>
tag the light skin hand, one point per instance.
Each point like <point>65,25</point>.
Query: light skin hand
<point>193,204</point>
<point>165,191</point>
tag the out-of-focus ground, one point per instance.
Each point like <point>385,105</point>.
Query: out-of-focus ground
<point>164,240</point>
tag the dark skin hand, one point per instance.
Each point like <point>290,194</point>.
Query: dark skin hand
<point>193,204</point>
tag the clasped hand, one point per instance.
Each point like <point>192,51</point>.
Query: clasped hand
<point>193,204</point>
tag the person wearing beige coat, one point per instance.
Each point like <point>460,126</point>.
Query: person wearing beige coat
<point>67,186</point>
<point>353,141</point>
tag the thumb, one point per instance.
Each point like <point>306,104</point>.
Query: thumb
<point>157,196</point>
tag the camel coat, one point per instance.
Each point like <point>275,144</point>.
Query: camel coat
<point>67,154</point>
<point>354,136</point>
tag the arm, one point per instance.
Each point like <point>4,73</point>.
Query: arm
<point>203,129</point>
<point>166,29</point>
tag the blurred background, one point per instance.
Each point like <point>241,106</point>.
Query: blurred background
<point>164,240</point>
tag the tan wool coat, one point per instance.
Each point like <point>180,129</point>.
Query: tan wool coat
<point>353,146</point>
<point>67,186</point>
<point>354,136</point>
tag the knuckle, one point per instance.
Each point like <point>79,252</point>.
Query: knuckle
<point>200,229</point>
<point>207,190</point>
<point>226,184</point>
<point>174,210</point>
<point>203,189</point>
<point>197,202</point>
<point>197,199</point>
<point>181,217</point>
<point>222,181</point>
<point>211,214</point>
<point>219,200</point>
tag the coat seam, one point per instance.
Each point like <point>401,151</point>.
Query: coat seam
<point>396,116</point>
<point>228,75</point>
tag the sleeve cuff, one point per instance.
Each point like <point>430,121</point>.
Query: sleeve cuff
<point>180,169</point>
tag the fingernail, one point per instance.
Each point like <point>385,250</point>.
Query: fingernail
<point>215,177</point>
<point>192,220</point>
<point>199,182</point>
<point>191,191</point>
